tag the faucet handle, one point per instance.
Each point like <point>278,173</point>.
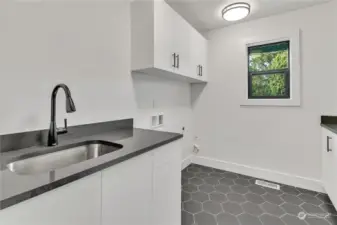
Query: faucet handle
<point>63,130</point>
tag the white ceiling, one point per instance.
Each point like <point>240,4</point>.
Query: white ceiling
<point>205,15</point>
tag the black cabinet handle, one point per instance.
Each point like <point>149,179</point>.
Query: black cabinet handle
<point>328,144</point>
<point>178,61</point>
<point>174,59</point>
<point>201,68</point>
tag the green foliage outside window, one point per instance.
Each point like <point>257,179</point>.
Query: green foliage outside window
<point>269,71</point>
<point>272,85</point>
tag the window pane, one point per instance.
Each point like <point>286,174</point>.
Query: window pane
<point>272,85</point>
<point>269,57</point>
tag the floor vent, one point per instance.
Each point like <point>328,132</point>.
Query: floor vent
<point>267,184</point>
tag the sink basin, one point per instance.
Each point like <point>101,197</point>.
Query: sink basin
<point>60,157</point>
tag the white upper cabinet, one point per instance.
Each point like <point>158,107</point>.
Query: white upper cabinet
<point>163,49</point>
<point>182,38</point>
<point>164,44</point>
<point>199,48</point>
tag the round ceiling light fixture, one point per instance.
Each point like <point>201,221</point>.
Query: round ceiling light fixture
<point>236,11</point>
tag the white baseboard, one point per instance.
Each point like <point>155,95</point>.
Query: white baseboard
<point>283,178</point>
<point>187,161</point>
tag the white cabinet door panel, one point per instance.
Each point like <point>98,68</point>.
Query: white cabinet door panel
<point>164,34</point>
<point>167,185</point>
<point>77,203</point>
<point>127,192</point>
<point>182,39</point>
<point>329,163</point>
<point>199,49</point>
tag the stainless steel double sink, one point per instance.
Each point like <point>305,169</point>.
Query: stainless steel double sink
<point>60,157</point>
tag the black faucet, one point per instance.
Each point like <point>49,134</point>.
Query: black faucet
<point>70,107</point>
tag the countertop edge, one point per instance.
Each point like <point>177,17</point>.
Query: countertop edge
<point>59,183</point>
<point>328,127</point>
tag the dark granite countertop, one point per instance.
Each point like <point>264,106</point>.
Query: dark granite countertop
<point>331,127</point>
<point>330,123</point>
<point>17,188</point>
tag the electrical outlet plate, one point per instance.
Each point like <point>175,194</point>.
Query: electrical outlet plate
<point>161,119</point>
<point>157,120</point>
<point>154,121</point>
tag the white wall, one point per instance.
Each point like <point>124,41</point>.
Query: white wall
<point>83,44</point>
<point>172,98</point>
<point>280,139</point>
<point>86,45</point>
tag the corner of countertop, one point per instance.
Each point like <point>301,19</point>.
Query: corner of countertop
<point>330,123</point>
<point>328,120</point>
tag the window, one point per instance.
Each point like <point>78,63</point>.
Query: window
<point>269,71</point>
<point>272,68</point>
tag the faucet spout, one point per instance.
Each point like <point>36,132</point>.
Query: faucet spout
<point>70,108</point>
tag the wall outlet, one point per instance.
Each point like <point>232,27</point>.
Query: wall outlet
<point>157,120</point>
<point>161,119</point>
<point>154,121</point>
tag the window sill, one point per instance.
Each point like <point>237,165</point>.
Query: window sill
<point>272,102</point>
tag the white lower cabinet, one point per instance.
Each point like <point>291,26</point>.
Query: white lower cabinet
<point>329,163</point>
<point>127,192</point>
<point>167,185</point>
<point>78,203</point>
<point>144,190</point>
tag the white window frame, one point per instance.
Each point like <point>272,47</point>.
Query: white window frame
<point>295,69</point>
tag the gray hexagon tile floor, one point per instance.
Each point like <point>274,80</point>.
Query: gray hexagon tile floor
<point>215,197</point>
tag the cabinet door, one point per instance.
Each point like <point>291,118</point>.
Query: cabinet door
<point>199,51</point>
<point>329,163</point>
<point>167,185</point>
<point>77,203</point>
<point>127,192</point>
<point>164,33</point>
<point>181,40</point>
<point>203,51</point>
